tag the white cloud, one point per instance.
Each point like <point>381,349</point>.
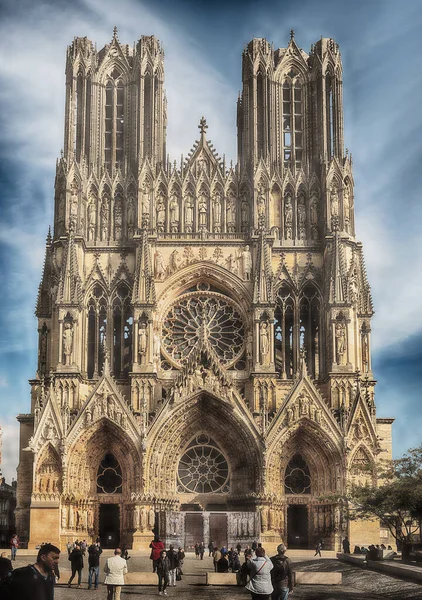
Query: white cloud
<point>3,381</point>
<point>10,428</point>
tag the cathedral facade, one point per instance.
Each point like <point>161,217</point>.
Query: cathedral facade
<point>204,364</point>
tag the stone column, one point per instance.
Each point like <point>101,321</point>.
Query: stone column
<point>206,528</point>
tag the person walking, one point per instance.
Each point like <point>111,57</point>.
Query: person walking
<point>34,582</point>
<point>94,552</point>
<point>156,546</point>
<point>76,564</point>
<point>163,568</point>
<point>239,548</point>
<point>115,569</point>
<point>346,545</point>
<point>259,583</point>
<point>201,550</point>
<point>216,557</point>
<point>210,548</point>
<point>318,548</point>
<point>173,559</point>
<point>281,575</point>
<point>14,545</point>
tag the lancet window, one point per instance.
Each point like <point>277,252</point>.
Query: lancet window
<point>296,326</point>
<point>297,479</point>
<point>292,117</point>
<point>309,309</point>
<point>82,112</point>
<point>329,103</point>
<point>114,122</point>
<point>109,328</point>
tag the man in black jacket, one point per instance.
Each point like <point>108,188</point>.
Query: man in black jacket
<point>94,552</point>
<point>34,582</point>
<point>281,574</point>
<point>77,564</point>
<point>173,558</point>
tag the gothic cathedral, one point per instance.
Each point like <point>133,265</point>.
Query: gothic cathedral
<point>204,363</point>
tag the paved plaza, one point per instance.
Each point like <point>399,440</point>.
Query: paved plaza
<point>358,584</point>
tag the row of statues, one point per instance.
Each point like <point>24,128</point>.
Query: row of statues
<point>76,518</point>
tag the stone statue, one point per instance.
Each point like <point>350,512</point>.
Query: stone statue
<point>365,352</point>
<point>64,517</point>
<point>130,215</point>
<point>245,212</point>
<point>340,335</point>
<point>264,343</point>
<point>174,261</point>
<point>216,210</point>
<point>92,216</point>
<point>90,519</point>
<point>145,198</point>
<point>118,218</point>
<point>261,202</point>
<point>301,217</point>
<point>143,342</point>
<point>110,408</point>
<point>247,263</point>
<point>159,266</point>
<point>314,210</point>
<point>288,217</point>
<point>161,214</point>
<point>231,213</point>
<point>71,517</point>
<point>144,518</point>
<point>334,202</point>
<point>151,518</point>
<point>346,209</point>
<point>202,209</point>
<point>67,342</point>
<point>174,213</point>
<point>189,213</point>
<point>157,345</point>
<point>136,517</point>
<point>104,217</point>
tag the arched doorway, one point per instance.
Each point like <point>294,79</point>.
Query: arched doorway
<point>297,484</point>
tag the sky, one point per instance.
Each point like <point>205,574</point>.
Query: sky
<point>203,42</point>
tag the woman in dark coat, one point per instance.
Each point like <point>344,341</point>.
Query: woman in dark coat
<point>77,564</point>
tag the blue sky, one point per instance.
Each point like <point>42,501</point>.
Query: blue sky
<point>380,46</point>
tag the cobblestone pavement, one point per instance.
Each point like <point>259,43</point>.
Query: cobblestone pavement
<point>358,584</point>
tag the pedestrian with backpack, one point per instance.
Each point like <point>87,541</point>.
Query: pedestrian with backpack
<point>281,575</point>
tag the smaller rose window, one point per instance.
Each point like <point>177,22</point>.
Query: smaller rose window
<point>109,476</point>
<point>203,468</point>
<point>297,479</point>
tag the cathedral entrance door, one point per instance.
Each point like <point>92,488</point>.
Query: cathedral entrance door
<point>194,530</point>
<point>109,529</point>
<point>218,530</point>
<point>297,526</point>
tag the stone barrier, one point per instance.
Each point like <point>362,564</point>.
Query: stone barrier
<point>321,578</point>
<point>221,578</point>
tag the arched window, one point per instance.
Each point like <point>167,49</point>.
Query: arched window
<point>292,117</point>
<point>122,332</point>
<point>297,479</point>
<point>109,476</point>
<point>79,115</point>
<point>283,333</point>
<point>260,104</point>
<point>203,468</point>
<point>309,321</point>
<point>114,122</point>
<point>329,103</point>
<point>97,325</point>
<point>148,113</point>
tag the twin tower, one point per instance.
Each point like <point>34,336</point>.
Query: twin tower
<point>204,365</point>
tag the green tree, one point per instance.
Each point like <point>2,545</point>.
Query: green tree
<point>396,499</point>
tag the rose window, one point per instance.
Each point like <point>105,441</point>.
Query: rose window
<point>297,479</point>
<point>201,316</point>
<point>109,476</point>
<point>203,469</point>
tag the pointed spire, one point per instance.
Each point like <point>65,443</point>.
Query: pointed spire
<point>70,283</point>
<point>263,284</point>
<point>115,34</point>
<point>44,301</point>
<point>292,35</point>
<point>144,286</point>
<point>202,127</point>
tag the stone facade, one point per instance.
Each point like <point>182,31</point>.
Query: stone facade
<point>204,365</point>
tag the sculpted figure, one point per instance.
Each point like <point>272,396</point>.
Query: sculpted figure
<point>159,265</point>
<point>145,198</point>
<point>288,217</point>
<point>174,213</point>
<point>231,212</point>
<point>104,217</point>
<point>261,202</point>
<point>151,518</point>
<point>143,342</point>
<point>174,261</point>
<point>71,517</point>
<point>334,202</point>
<point>301,217</point>
<point>144,518</point>
<point>130,215</point>
<point>264,343</point>
<point>118,219</point>
<point>346,209</point>
<point>92,209</point>
<point>67,342</point>
<point>188,213</point>
<point>340,335</point>
<point>313,209</point>
<point>90,519</point>
<point>247,263</point>
<point>202,209</point>
<point>136,517</point>
<point>157,345</point>
<point>161,214</point>
<point>64,517</point>
<point>365,352</point>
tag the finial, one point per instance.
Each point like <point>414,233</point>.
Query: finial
<point>114,32</point>
<point>292,35</point>
<point>202,126</point>
<point>48,240</point>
